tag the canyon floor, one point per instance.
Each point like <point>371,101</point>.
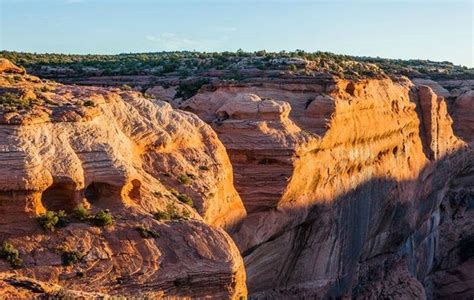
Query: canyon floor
<point>262,177</point>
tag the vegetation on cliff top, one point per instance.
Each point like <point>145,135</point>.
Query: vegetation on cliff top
<point>186,63</point>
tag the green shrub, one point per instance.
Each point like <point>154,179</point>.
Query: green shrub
<point>9,253</point>
<point>204,168</point>
<point>185,199</point>
<point>13,101</point>
<point>102,218</point>
<point>81,213</point>
<point>51,219</point>
<point>184,179</point>
<point>191,175</point>
<point>89,103</point>
<point>171,213</point>
<point>70,258</point>
<point>161,216</point>
<point>188,89</point>
<point>234,75</point>
<point>147,233</point>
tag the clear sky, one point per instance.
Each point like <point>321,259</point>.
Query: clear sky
<point>436,30</point>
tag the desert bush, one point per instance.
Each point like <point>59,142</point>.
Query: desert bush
<point>171,213</point>
<point>89,103</point>
<point>9,253</point>
<point>204,168</point>
<point>11,100</point>
<point>186,90</point>
<point>51,219</point>
<point>70,258</point>
<point>184,179</point>
<point>81,213</point>
<point>147,233</point>
<point>182,197</point>
<point>191,175</point>
<point>102,218</point>
<point>185,199</point>
<point>162,215</point>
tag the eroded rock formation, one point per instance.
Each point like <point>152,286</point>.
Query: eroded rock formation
<point>338,181</point>
<point>64,146</point>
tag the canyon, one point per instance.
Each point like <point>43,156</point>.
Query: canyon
<point>282,185</point>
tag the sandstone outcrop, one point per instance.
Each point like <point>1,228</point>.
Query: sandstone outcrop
<point>436,123</point>
<point>463,114</point>
<point>7,66</point>
<point>433,85</point>
<point>159,92</point>
<point>337,185</point>
<point>106,149</point>
<point>458,97</point>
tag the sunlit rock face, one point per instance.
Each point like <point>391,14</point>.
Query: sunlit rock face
<point>338,178</point>
<point>64,146</point>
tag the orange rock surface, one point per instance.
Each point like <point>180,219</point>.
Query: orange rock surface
<point>64,146</point>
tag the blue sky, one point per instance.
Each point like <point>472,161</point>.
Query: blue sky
<point>436,30</point>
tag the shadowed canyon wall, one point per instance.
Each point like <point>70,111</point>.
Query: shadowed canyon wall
<point>338,178</point>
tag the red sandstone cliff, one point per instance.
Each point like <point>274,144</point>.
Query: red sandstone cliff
<point>339,177</point>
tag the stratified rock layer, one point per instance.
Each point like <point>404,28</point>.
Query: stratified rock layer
<point>340,178</point>
<point>61,146</point>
